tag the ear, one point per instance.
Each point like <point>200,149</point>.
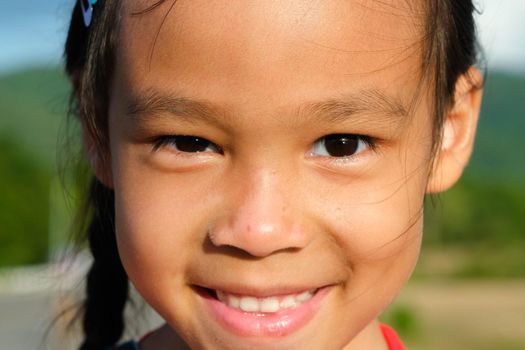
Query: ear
<point>98,158</point>
<point>458,133</point>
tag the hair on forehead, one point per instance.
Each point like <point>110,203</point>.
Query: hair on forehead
<point>414,11</point>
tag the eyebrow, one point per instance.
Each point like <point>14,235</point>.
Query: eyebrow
<point>364,102</point>
<point>152,103</point>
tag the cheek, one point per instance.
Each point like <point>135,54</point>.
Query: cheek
<point>378,224</point>
<point>161,220</point>
<point>380,238</point>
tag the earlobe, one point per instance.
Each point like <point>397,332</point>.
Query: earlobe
<point>458,133</point>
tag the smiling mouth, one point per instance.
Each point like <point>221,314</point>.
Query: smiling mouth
<point>270,304</point>
<point>263,314</point>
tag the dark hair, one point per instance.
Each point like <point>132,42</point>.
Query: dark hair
<point>89,67</point>
<point>450,50</point>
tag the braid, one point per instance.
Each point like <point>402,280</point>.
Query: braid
<point>107,282</point>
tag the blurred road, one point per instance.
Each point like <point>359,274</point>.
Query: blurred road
<point>24,320</point>
<point>31,298</point>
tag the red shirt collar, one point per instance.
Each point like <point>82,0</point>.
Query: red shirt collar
<point>391,338</point>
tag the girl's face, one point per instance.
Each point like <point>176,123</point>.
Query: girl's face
<point>269,165</point>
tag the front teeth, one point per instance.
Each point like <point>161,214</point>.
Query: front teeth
<point>249,304</point>
<point>267,305</point>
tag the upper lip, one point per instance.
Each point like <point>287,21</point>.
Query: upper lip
<point>261,292</point>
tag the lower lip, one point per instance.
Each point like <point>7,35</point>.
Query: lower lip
<point>278,324</point>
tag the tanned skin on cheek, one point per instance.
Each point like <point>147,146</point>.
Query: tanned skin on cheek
<point>261,210</point>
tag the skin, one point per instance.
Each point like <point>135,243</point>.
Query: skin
<point>269,212</point>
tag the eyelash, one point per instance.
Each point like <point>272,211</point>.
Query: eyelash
<point>171,140</point>
<point>357,143</point>
<point>352,140</point>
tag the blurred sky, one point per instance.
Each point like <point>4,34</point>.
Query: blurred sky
<point>32,32</point>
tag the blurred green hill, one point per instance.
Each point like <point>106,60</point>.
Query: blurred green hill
<point>482,218</point>
<point>500,143</point>
<point>33,106</point>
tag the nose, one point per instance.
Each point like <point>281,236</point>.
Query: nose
<point>262,216</point>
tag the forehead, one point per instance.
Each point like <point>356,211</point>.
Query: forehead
<point>256,53</point>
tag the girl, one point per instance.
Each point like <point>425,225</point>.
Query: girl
<point>260,167</point>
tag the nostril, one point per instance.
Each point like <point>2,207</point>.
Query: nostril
<point>257,230</point>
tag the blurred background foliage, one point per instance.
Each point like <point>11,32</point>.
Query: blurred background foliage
<point>477,229</point>
<point>33,106</point>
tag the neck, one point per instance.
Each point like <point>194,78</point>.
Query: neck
<point>163,338</point>
<point>370,338</point>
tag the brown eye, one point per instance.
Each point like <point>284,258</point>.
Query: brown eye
<point>187,144</point>
<point>340,145</point>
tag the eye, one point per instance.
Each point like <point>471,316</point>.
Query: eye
<point>187,144</point>
<point>341,145</point>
